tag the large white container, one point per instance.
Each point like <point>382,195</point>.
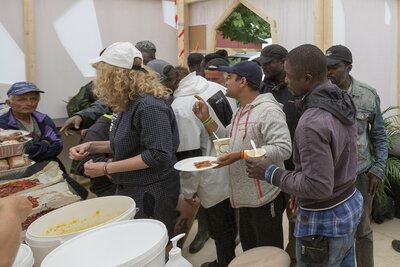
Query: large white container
<point>24,257</point>
<point>104,209</point>
<point>136,243</point>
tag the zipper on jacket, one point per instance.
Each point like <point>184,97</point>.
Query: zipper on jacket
<point>272,210</point>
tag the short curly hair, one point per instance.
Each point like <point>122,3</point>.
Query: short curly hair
<point>308,58</point>
<point>118,86</point>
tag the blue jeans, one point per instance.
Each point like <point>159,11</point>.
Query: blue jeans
<point>341,252</point>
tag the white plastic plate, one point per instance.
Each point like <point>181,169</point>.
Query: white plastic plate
<point>187,165</point>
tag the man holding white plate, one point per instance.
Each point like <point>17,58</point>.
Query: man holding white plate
<point>259,118</point>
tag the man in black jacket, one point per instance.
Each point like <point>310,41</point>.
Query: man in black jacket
<point>272,61</point>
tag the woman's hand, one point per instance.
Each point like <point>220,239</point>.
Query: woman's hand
<point>80,151</point>
<point>94,169</point>
<point>200,109</point>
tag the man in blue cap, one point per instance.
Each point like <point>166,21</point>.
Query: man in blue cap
<point>259,118</point>
<point>23,99</point>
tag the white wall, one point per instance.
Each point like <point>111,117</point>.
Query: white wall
<point>371,35</point>
<point>294,18</point>
<point>118,20</point>
<point>367,27</point>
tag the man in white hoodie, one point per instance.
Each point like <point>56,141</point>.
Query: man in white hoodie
<point>259,118</point>
<point>212,186</point>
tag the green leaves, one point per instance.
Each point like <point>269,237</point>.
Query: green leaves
<point>392,171</point>
<point>245,26</point>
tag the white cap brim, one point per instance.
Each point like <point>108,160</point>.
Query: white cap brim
<point>95,60</point>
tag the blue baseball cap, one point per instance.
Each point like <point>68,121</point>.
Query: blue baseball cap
<point>248,69</point>
<point>21,88</point>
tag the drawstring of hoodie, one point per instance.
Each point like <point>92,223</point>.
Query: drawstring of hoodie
<point>246,121</point>
<point>237,115</point>
<point>236,120</point>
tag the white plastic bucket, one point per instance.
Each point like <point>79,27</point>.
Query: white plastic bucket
<point>24,257</point>
<point>104,209</point>
<point>135,243</point>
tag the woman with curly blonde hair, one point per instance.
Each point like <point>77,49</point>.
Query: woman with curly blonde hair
<point>143,134</point>
<point>127,85</point>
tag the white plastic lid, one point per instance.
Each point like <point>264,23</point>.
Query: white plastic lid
<point>24,257</point>
<point>127,243</point>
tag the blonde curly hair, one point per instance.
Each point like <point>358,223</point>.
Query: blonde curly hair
<point>117,86</point>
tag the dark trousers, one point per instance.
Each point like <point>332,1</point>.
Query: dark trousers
<point>157,201</point>
<point>364,235</point>
<point>222,228</point>
<point>291,246</point>
<point>262,226</point>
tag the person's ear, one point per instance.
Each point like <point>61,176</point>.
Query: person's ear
<point>243,81</point>
<point>8,102</point>
<point>308,77</point>
<point>349,67</point>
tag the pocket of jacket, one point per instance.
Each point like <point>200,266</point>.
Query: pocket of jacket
<point>362,121</point>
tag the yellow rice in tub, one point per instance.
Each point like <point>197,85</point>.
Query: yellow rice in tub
<point>76,225</point>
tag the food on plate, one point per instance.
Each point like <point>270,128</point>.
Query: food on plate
<point>16,136</point>
<point>202,164</point>
<point>33,218</point>
<point>77,225</point>
<point>34,201</point>
<point>17,161</point>
<point>13,187</point>
<point>4,165</point>
<point>10,142</point>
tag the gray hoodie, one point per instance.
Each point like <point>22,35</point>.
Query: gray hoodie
<point>263,121</point>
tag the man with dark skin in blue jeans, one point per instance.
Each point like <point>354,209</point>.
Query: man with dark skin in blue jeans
<point>325,158</point>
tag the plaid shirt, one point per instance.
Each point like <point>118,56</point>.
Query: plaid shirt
<point>341,220</point>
